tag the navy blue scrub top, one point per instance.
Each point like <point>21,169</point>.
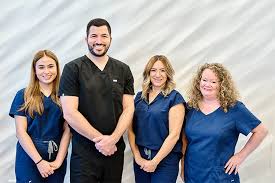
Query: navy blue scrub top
<point>45,127</point>
<point>151,121</point>
<point>211,142</point>
<point>45,131</point>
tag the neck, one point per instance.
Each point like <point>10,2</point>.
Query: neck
<point>156,89</point>
<point>46,88</point>
<point>210,100</point>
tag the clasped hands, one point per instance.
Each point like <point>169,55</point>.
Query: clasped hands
<point>105,144</point>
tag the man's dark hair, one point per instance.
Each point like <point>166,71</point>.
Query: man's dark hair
<point>98,22</point>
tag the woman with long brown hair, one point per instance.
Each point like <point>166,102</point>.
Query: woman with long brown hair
<point>43,135</point>
<point>154,136</point>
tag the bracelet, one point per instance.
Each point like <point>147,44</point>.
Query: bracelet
<point>39,161</point>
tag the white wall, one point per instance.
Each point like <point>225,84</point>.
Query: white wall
<point>237,33</point>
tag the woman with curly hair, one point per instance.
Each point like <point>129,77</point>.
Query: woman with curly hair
<point>214,120</point>
<point>154,136</point>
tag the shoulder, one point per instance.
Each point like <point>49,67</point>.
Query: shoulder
<point>76,62</point>
<point>118,63</point>
<point>20,93</point>
<point>237,106</point>
<point>240,110</point>
<point>138,95</point>
<point>175,94</point>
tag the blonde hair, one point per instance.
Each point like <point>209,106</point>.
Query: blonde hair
<point>227,95</point>
<point>170,83</point>
<point>32,96</point>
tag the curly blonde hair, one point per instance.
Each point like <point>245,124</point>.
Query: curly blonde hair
<point>228,94</point>
<point>170,83</point>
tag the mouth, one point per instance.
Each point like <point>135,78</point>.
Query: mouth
<point>98,47</point>
<point>47,77</point>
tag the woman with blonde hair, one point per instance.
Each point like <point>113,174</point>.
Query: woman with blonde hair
<point>214,120</point>
<point>43,135</point>
<point>154,136</point>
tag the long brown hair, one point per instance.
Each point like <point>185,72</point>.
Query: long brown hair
<point>170,83</point>
<point>32,96</point>
<point>228,94</point>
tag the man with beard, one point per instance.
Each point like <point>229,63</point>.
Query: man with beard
<point>96,94</point>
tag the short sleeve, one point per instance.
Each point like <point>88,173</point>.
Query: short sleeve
<point>69,82</point>
<point>177,99</point>
<point>138,96</point>
<point>245,120</point>
<point>17,103</point>
<point>129,82</point>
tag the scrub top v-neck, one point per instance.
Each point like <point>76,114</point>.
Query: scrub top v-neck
<point>100,92</point>
<point>211,142</point>
<point>151,120</point>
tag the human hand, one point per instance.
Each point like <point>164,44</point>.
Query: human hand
<point>140,161</point>
<point>105,145</point>
<point>150,166</point>
<point>55,164</point>
<point>45,169</point>
<point>234,163</point>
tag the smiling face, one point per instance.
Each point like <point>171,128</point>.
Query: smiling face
<point>209,84</point>
<point>46,70</point>
<point>158,76</point>
<point>98,40</point>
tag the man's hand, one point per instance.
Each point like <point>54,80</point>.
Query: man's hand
<point>105,144</point>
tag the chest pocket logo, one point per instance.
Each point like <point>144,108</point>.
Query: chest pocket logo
<point>117,87</point>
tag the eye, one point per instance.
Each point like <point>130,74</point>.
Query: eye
<point>51,66</point>
<point>41,67</point>
<point>92,36</point>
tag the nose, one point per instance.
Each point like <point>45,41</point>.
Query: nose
<point>47,70</point>
<point>98,40</point>
<point>158,73</point>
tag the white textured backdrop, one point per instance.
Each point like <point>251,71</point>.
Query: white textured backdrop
<point>238,33</point>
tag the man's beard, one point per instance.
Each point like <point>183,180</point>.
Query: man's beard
<point>91,49</point>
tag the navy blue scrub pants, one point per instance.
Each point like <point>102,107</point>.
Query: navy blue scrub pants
<point>166,171</point>
<point>27,171</point>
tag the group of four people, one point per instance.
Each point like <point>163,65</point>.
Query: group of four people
<point>94,105</point>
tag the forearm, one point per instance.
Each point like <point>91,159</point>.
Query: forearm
<point>166,147</point>
<point>80,124</point>
<point>253,142</point>
<point>124,122</point>
<point>28,146</point>
<point>64,143</point>
<point>133,146</point>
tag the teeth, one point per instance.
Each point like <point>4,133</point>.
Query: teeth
<point>47,77</point>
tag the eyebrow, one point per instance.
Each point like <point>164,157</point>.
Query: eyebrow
<point>46,65</point>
